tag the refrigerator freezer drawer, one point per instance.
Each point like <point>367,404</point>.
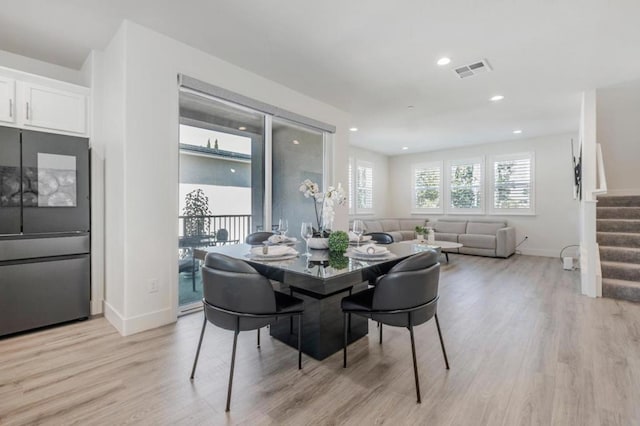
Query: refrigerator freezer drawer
<point>31,248</point>
<point>37,294</point>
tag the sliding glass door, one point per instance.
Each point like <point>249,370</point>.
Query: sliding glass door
<point>221,188</point>
<point>241,166</point>
<point>298,154</point>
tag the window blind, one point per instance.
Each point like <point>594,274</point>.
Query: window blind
<point>465,186</point>
<point>364,187</point>
<point>512,187</point>
<point>427,184</point>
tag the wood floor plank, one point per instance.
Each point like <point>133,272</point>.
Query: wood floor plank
<point>525,348</point>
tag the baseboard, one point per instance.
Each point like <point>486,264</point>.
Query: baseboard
<point>114,317</point>
<point>539,252</point>
<point>139,323</point>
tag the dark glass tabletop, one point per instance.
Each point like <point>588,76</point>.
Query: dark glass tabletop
<point>324,273</point>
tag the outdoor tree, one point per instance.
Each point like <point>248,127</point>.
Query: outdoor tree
<point>464,187</point>
<point>196,212</point>
<point>428,188</point>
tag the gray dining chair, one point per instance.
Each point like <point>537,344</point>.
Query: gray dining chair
<point>238,298</point>
<point>406,296</point>
<point>258,237</point>
<point>381,237</point>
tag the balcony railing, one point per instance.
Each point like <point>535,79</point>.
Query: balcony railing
<point>206,230</point>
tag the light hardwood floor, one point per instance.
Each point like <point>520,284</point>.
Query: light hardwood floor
<point>524,346</point>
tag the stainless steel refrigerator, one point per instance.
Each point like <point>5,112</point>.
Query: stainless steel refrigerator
<point>44,229</point>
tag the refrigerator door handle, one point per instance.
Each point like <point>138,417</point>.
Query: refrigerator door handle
<point>10,108</point>
<point>27,110</point>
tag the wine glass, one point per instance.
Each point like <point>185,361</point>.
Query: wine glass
<point>358,229</point>
<point>283,227</point>
<point>306,232</point>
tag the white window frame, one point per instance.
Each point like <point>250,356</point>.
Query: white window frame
<point>491,166</point>
<point>421,166</point>
<point>351,186</point>
<point>355,165</point>
<point>482,190</point>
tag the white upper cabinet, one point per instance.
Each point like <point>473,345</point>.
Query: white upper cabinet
<point>30,101</point>
<point>54,109</point>
<point>7,100</point>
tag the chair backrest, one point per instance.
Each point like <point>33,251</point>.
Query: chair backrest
<point>258,237</point>
<point>381,237</point>
<point>410,283</point>
<point>222,234</point>
<point>234,285</point>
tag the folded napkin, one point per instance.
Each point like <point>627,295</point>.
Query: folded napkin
<point>275,251</point>
<point>280,239</point>
<point>353,237</point>
<point>371,249</point>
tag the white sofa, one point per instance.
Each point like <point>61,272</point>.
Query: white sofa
<point>480,237</point>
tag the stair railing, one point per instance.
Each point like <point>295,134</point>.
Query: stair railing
<point>602,177</point>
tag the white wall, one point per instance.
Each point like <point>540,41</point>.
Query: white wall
<point>555,223</point>
<point>380,179</point>
<point>44,69</point>
<point>618,131</point>
<point>141,162</point>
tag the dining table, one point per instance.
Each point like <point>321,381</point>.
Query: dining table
<point>321,280</point>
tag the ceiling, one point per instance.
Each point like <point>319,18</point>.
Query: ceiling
<point>376,58</point>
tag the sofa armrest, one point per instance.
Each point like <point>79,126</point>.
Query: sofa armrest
<point>505,241</point>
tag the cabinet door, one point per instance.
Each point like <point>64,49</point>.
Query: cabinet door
<point>54,109</point>
<point>7,100</point>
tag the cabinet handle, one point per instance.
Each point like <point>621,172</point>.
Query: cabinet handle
<point>11,108</point>
<point>27,110</point>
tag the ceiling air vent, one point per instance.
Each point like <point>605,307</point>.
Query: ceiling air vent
<point>472,69</point>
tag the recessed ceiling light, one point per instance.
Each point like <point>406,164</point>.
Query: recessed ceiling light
<point>517,132</point>
<point>411,107</point>
<point>354,129</point>
<point>496,98</point>
<point>404,148</point>
<point>242,128</point>
<point>296,142</point>
<point>443,61</point>
<point>232,170</point>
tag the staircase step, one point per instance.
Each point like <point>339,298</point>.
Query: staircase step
<point>621,289</point>
<point>619,201</point>
<point>618,212</point>
<point>618,239</point>
<point>618,225</point>
<point>620,271</point>
<point>620,254</point>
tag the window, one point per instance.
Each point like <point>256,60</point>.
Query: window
<point>512,186</point>
<point>364,187</point>
<point>427,187</point>
<point>360,187</point>
<point>466,186</point>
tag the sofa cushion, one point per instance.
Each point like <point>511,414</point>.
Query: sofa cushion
<point>485,228</point>
<point>372,226</point>
<point>478,241</point>
<point>407,235</point>
<point>410,224</point>
<point>458,227</point>
<point>443,236</point>
<point>397,236</point>
<point>389,225</point>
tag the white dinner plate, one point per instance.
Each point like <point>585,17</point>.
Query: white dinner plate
<point>268,258</point>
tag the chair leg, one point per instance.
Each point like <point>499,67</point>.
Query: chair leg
<point>349,319</point>
<point>444,352</point>
<point>415,363</point>
<point>195,361</point>
<point>233,362</point>
<point>291,317</point>
<point>380,325</point>
<point>258,338</point>
<point>300,342</point>
<point>344,343</point>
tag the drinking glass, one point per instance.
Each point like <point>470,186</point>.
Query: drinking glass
<point>306,232</point>
<point>283,227</point>
<point>358,229</point>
